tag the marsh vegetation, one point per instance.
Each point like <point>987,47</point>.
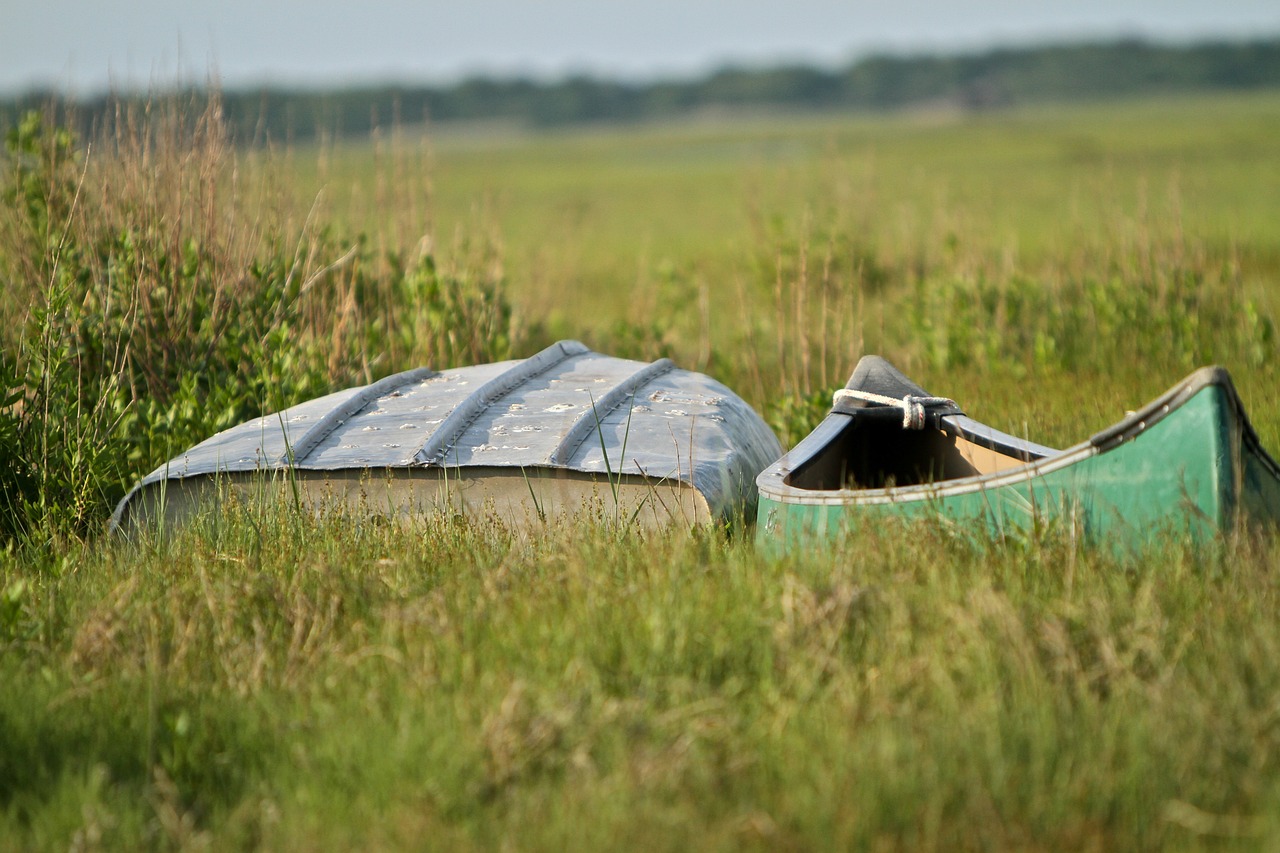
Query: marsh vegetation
<point>265,678</point>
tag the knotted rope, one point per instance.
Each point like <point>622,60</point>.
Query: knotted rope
<point>913,408</point>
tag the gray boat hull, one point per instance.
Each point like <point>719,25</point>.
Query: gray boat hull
<point>567,432</point>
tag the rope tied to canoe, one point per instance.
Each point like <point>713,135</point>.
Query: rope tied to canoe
<point>913,408</point>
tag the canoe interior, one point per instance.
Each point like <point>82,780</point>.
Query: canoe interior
<point>515,498</point>
<point>878,454</point>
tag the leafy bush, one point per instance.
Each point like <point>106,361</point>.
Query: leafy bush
<point>148,307</point>
<point>1174,315</point>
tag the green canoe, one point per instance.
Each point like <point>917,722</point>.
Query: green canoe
<point>1188,463</point>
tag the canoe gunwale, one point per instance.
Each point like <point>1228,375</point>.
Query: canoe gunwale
<point>995,440</point>
<point>1134,424</point>
<point>1174,398</point>
<point>772,481</point>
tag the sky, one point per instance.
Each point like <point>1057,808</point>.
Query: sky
<point>86,46</point>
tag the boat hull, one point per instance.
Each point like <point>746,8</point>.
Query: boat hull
<point>565,432</point>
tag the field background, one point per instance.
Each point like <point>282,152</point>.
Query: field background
<point>269,680</point>
<point>679,235</point>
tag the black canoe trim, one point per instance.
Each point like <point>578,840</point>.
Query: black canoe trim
<point>1174,398</point>
<point>875,374</point>
<point>456,423</point>
<point>589,421</point>
<point>993,439</point>
<point>323,428</point>
<point>1155,411</point>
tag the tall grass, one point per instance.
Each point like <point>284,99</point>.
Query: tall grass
<point>158,293</point>
<point>281,683</point>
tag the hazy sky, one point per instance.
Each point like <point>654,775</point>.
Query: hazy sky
<point>85,45</point>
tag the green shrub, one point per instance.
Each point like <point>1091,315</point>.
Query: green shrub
<point>1178,315</point>
<point>148,308</point>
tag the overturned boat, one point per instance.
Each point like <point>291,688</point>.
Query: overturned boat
<point>565,432</point>
<point>1188,463</point>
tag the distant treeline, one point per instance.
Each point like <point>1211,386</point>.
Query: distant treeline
<point>992,79</point>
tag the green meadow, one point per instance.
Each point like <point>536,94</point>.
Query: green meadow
<point>266,679</point>
<point>776,250</point>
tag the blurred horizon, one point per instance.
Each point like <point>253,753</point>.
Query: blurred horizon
<point>84,48</point>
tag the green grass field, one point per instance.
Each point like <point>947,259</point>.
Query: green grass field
<point>599,212</point>
<point>686,226</point>
<point>264,680</point>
